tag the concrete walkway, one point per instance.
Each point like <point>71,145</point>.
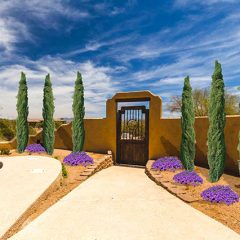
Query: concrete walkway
<point>22,181</point>
<point>121,203</point>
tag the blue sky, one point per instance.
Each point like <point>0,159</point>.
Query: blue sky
<point>117,45</point>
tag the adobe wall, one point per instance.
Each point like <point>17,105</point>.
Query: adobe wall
<point>164,134</point>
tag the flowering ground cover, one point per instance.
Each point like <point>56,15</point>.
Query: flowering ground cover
<point>35,148</point>
<point>188,178</point>
<point>78,158</point>
<point>167,163</point>
<point>220,194</point>
<point>228,215</point>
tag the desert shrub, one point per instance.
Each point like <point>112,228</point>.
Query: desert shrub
<point>7,129</point>
<point>32,131</point>
<point>220,194</point>
<point>167,163</point>
<point>188,178</point>
<point>64,171</point>
<point>4,151</point>
<point>58,124</point>
<point>39,124</point>
<point>78,158</point>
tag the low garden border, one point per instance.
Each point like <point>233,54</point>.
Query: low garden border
<point>180,191</point>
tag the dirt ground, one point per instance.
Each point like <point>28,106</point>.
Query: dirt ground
<point>228,215</point>
<point>67,185</point>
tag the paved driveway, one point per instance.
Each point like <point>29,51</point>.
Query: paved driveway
<point>23,180</point>
<point>122,203</point>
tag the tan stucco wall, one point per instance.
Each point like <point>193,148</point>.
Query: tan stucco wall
<point>164,134</point>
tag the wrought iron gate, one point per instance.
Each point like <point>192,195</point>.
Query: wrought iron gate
<point>132,135</point>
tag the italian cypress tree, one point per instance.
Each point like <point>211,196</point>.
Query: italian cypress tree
<point>187,149</point>
<point>78,132</point>
<point>48,121</point>
<point>216,142</point>
<point>22,130</point>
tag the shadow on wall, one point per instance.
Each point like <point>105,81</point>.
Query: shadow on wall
<point>63,134</point>
<point>169,148</point>
<point>200,158</point>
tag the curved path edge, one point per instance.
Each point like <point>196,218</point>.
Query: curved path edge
<point>19,194</point>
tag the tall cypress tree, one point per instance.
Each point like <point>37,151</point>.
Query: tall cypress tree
<point>48,121</point>
<point>216,114</point>
<point>22,130</point>
<point>187,149</point>
<point>78,132</point>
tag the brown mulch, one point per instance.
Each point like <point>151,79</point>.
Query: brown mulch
<point>228,215</point>
<point>66,185</point>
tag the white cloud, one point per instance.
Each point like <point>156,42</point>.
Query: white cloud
<point>14,28</point>
<point>99,86</point>
<point>181,3</point>
<point>12,32</point>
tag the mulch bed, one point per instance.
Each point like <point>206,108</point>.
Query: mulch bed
<point>228,215</point>
<point>76,175</point>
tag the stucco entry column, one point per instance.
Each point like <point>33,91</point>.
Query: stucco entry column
<point>155,113</point>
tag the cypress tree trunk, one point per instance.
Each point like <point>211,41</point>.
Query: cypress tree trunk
<point>78,133</point>
<point>22,130</point>
<point>187,149</point>
<point>216,142</point>
<point>48,121</point>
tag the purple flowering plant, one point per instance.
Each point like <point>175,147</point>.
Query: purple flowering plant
<point>220,194</point>
<point>78,158</point>
<point>188,178</point>
<point>35,148</point>
<point>167,163</point>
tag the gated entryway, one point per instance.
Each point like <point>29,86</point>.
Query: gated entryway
<point>132,135</point>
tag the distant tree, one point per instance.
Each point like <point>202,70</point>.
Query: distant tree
<point>200,99</point>
<point>78,132</point>
<point>48,121</point>
<point>216,142</point>
<point>22,115</point>
<point>187,150</point>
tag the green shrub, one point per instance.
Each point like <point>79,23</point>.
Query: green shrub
<point>7,129</point>
<point>64,171</point>
<point>32,131</point>
<point>39,124</point>
<point>58,124</point>
<point>4,151</point>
